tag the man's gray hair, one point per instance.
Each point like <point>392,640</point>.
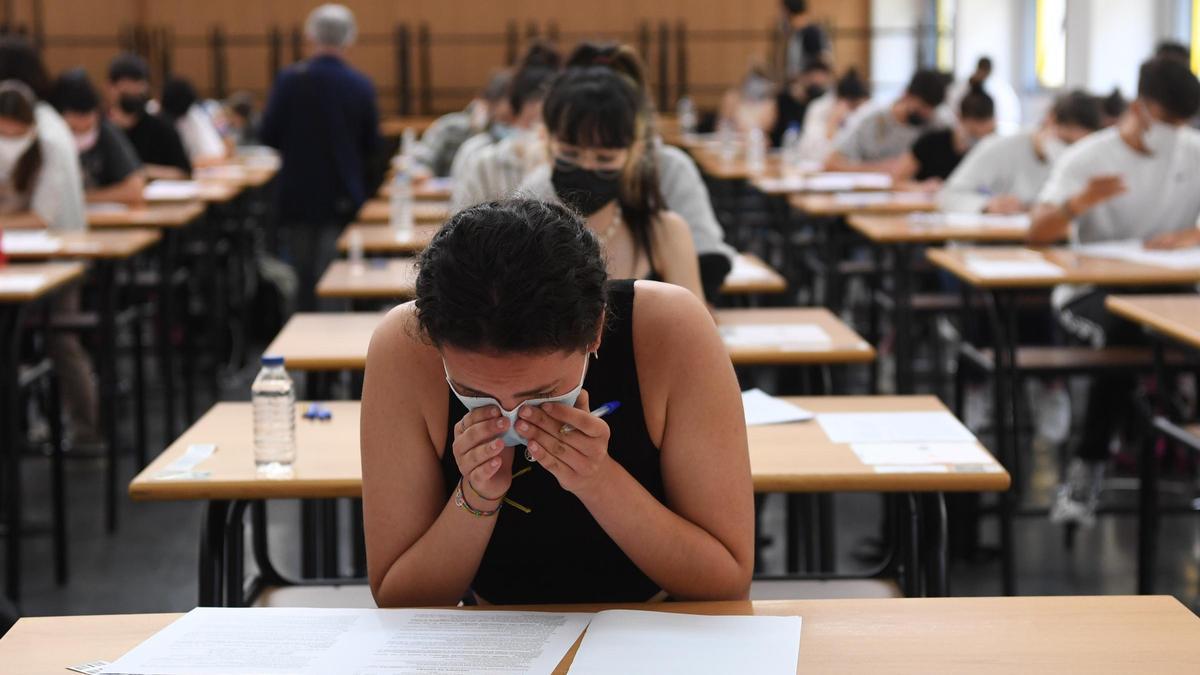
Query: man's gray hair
<point>331,25</point>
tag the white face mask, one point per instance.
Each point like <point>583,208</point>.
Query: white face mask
<point>87,140</point>
<point>1160,137</point>
<point>511,438</point>
<point>12,148</point>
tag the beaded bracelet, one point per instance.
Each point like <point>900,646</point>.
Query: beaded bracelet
<point>460,500</point>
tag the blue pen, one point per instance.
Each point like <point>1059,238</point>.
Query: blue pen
<point>603,410</point>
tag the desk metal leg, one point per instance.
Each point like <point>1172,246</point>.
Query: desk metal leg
<point>212,553</point>
<point>1004,352</point>
<point>912,546</point>
<point>107,372</point>
<point>166,324</point>
<point>793,518</point>
<point>235,554</point>
<point>934,528</point>
<point>902,318</point>
<point>1148,517</point>
<point>10,454</point>
<point>877,291</point>
<point>139,385</point>
<point>828,542</point>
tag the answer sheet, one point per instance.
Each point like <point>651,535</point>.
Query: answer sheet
<point>166,190</point>
<point>1014,268</point>
<point>894,427</point>
<point>801,336</point>
<point>1134,251</point>
<point>270,641</point>
<point>920,453</point>
<point>980,221</point>
<point>21,283</point>
<point>762,408</point>
<point>633,642</point>
<point>744,270</point>
<point>29,241</point>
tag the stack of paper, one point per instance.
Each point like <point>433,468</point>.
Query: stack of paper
<point>981,221</point>
<point>744,270</point>
<point>894,427</point>
<point>1035,267</point>
<point>29,242</point>
<point>786,337</point>
<point>1135,251</point>
<point>20,283</point>
<point>262,641</point>
<point>171,190</point>
<point>632,642</point>
<point>761,408</point>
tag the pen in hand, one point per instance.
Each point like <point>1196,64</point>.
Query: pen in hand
<point>603,410</point>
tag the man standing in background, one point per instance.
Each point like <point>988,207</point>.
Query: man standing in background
<point>322,117</point>
<point>803,42</point>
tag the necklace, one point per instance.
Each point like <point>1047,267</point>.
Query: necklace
<point>612,227</point>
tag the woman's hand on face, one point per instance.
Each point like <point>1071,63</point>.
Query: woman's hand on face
<point>483,461</point>
<point>577,458</point>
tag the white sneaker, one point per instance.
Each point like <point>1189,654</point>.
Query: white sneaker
<point>1051,410</point>
<point>1079,495</point>
<point>977,409</point>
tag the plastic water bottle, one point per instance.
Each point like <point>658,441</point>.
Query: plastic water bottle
<point>274,418</point>
<point>408,143</point>
<point>686,111</point>
<point>790,151</point>
<point>402,201</point>
<point>756,151</point>
<point>726,138</point>
<point>357,266</point>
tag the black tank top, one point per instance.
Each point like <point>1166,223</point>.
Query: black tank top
<point>558,553</point>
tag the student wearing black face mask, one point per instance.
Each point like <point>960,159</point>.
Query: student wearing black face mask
<point>601,168</point>
<point>157,143</point>
<point>936,153</point>
<point>877,140</point>
<point>792,102</point>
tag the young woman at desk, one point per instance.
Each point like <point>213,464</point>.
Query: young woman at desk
<point>483,473</point>
<point>604,169</point>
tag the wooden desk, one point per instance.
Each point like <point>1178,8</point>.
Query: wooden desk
<point>1107,634</point>
<point>1077,269</point>
<point>760,278</point>
<point>33,283</point>
<point>393,127</point>
<point>238,174</point>
<point>790,458</point>
<point>339,341</point>
<point>429,190</point>
<point>93,245</point>
<point>1169,318</point>
<point>162,216</point>
<point>819,182</point>
<point>424,213</point>
<point>844,346</point>
<point>899,235</point>
<point>382,239</point>
<point>1002,290</point>
<point>844,204</point>
<point>1174,316</point>
<point>708,158</point>
<point>53,275</point>
<point>380,279</point>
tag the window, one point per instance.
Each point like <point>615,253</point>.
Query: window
<point>1050,39</point>
<point>944,22</point>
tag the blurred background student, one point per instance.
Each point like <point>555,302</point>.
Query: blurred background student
<point>154,139</point>
<point>182,107</point>
<point>111,169</point>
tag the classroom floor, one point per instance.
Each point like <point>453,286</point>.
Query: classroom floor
<point>149,564</point>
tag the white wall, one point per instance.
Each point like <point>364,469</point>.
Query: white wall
<point>893,51</point>
<point>1123,34</point>
<point>989,28</point>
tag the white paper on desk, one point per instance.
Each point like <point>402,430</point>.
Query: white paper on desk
<point>838,182</point>
<point>21,283</point>
<point>632,642</point>
<point>761,408</point>
<point>981,221</point>
<point>744,270</point>
<point>996,268</point>
<point>894,427</point>
<point>107,207</point>
<point>163,190</point>
<point>29,241</point>
<point>266,641</point>
<point>1135,251</point>
<point>863,198</point>
<point>183,466</point>
<point>920,453</point>
<point>787,337</point>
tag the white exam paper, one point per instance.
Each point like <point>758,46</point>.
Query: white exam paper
<point>761,408</point>
<point>920,453</point>
<point>862,198</point>
<point>21,283</point>
<point>835,182</point>
<point>980,221</point>
<point>270,641</point>
<point>802,336</point>
<point>163,190</point>
<point>633,642</point>
<point>744,270</point>
<point>894,427</point>
<point>33,241</point>
<point>1135,251</point>
<point>1037,267</point>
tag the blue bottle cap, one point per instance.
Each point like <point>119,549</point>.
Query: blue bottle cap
<point>271,360</point>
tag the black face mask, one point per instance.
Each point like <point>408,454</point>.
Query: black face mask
<point>916,119</point>
<point>132,104</point>
<point>584,190</point>
<point>814,92</point>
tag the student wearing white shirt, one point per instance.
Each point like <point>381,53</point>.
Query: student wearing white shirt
<point>827,116</point>
<point>203,142</point>
<point>1004,174</point>
<point>1008,105</point>
<point>1136,180</point>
